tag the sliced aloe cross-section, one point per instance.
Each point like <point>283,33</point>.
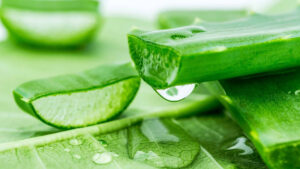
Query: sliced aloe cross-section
<point>82,99</point>
<point>57,23</point>
<point>213,51</point>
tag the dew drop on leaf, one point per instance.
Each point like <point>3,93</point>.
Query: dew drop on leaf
<point>103,158</point>
<point>75,142</point>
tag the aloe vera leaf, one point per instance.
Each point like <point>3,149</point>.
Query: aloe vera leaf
<point>267,108</point>
<point>51,23</point>
<point>87,147</point>
<point>212,51</point>
<point>177,18</point>
<point>19,64</point>
<point>82,99</point>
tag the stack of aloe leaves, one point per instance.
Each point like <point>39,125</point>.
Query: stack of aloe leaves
<point>150,132</point>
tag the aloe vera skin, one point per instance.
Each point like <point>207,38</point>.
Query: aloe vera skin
<point>213,51</point>
<point>98,78</point>
<point>267,109</point>
<point>170,19</point>
<point>54,24</point>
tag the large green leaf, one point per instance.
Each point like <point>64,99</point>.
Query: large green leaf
<point>152,143</point>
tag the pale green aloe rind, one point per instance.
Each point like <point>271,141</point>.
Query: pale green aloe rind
<point>212,51</point>
<point>103,93</point>
<point>177,18</point>
<point>55,24</point>
<point>267,108</point>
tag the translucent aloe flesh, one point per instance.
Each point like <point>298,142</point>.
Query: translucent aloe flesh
<point>58,23</point>
<point>170,19</point>
<point>82,99</point>
<point>213,51</point>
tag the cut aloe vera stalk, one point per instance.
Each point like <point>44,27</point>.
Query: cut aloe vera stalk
<point>213,51</point>
<point>57,23</point>
<point>170,19</point>
<point>268,109</point>
<point>81,99</point>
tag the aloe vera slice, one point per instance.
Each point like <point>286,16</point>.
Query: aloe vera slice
<point>170,19</point>
<point>82,99</point>
<point>58,23</point>
<point>213,51</point>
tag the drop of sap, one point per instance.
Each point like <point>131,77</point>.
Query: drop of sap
<point>240,144</point>
<point>176,93</point>
<point>77,156</point>
<point>104,158</point>
<point>67,150</point>
<point>75,142</point>
<point>297,92</point>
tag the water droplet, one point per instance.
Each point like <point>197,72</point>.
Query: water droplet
<point>240,144</point>
<point>297,92</point>
<point>67,150</point>
<point>156,131</point>
<point>103,143</point>
<point>103,158</point>
<point>77,156</point>
<point>176,93</point>
<point>142,156</point>
<point>75,142</point>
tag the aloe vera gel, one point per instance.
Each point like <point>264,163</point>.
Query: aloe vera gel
<point>82,99</point>
<point>51,23</point>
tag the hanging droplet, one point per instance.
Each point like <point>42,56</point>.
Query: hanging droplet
<point>176,93</point>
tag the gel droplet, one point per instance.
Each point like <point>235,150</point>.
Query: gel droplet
<point>75,142</point>
<point>104,158</point>
<point>240,144</point>
<point>176,93</point>
<point>77,156</point>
